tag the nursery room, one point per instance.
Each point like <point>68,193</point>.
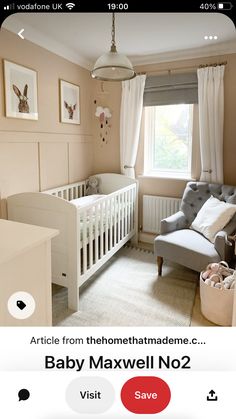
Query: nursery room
<point>117,171</point>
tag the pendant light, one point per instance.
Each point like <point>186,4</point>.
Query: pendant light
<point>113,66</point>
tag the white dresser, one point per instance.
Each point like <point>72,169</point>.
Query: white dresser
<point>25,267</point>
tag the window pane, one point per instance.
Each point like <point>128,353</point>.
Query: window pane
<point>170,138</point>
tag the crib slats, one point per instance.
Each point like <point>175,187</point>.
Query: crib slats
<point>91,237</point>
<point>115,219</point>
<point>106,226</point>
<point>125,213</point>
<point>84,241</point>
<point>122,216</point>
<point>118,197</point>
<point>79,232</point>
<point>96,232</point>
<point>131,209</point>
<point>101,229</point>
<point>111,217</point>
<point>68,192</point>
<point>128,211</point>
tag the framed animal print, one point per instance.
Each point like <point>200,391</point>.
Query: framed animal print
<point>69,102</point>
<point>21,91</point>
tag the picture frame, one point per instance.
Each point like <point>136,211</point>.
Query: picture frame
<point>21,91</point>
<point>69,102</point>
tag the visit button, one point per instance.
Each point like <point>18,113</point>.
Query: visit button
<point>145,395</point>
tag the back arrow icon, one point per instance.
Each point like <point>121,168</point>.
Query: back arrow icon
<point>20,34</point>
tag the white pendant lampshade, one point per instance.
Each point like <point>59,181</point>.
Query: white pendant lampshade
<point>113,66</point>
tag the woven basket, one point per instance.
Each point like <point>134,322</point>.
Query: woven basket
<point>216,304</point>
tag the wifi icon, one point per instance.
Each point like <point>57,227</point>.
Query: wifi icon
<point>70,6</point>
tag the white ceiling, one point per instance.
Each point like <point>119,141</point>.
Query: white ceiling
<point>144,37</point>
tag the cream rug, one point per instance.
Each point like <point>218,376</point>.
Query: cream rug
<point>128,292</point>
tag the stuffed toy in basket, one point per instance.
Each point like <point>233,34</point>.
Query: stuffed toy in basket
<point>217,283</point>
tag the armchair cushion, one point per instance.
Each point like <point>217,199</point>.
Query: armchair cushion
<point>186,247</point>
<point>213,216</point>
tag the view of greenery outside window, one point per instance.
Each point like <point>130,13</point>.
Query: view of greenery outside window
<point>168,140</point>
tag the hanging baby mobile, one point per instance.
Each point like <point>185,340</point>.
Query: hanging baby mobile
<point>104,114</point>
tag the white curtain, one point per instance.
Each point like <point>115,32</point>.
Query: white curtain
<point>130,121</point>
<point>211,119</point>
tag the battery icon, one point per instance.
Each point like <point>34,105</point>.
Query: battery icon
<point>224,6</point>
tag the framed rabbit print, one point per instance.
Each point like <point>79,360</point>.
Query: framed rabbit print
<point>69,102</point>
<point>21,93</point>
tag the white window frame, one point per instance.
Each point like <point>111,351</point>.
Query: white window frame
<point>149,170</point>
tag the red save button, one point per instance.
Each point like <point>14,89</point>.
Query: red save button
<point>145,395</point>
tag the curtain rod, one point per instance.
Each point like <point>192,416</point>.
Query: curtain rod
<point>169,70</point>
<point>212,64</point>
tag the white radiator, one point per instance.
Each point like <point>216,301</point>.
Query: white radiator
<point>155,208</point>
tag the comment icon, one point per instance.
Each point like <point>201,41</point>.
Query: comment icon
<point>23,394</point>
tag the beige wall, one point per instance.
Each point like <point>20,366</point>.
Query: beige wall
<point>107,153</point>
<point>36,155</point>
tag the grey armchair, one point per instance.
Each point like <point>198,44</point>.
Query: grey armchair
<point>177,242</point>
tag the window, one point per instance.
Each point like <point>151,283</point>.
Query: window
<point>168,140</point>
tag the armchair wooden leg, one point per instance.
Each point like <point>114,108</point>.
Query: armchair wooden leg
<point>159,264</point>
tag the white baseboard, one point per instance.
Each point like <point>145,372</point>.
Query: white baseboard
<point>146,237</point>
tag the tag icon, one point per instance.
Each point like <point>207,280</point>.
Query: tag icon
<point>20,304</point>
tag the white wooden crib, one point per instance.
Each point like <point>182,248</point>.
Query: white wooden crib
<point>89,235</point>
